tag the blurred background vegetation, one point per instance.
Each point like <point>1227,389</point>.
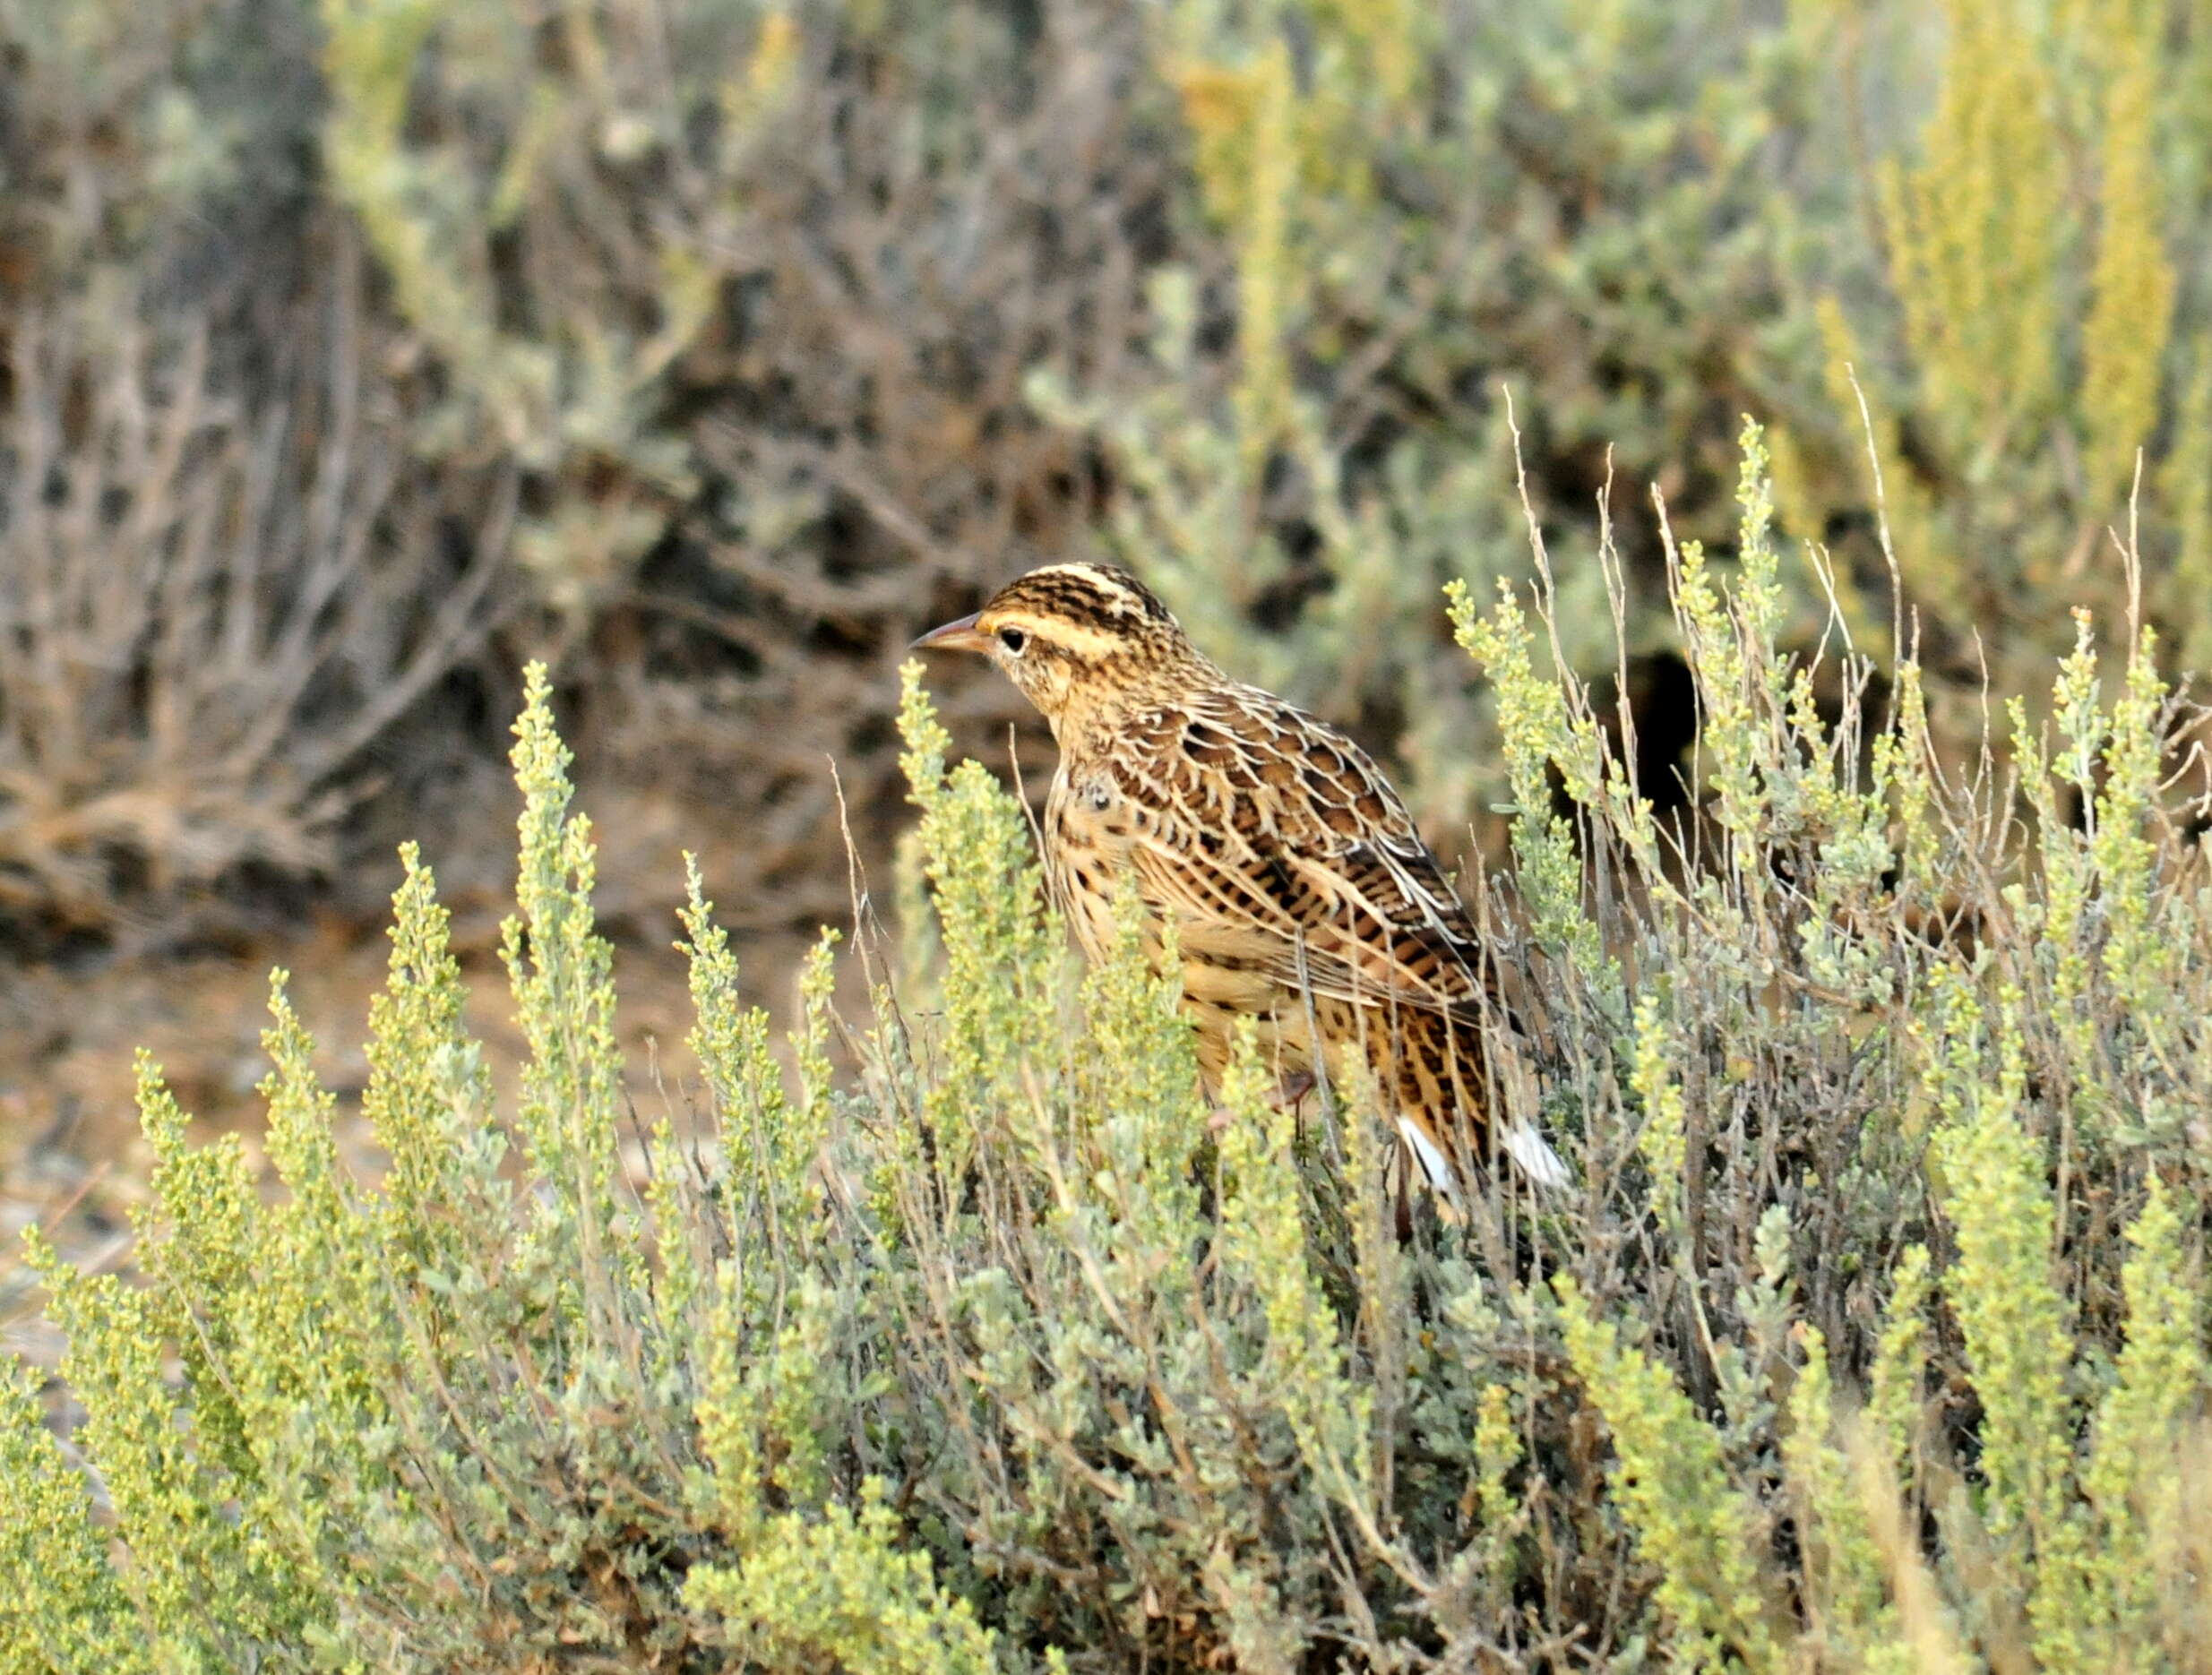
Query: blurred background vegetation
<point>356,349</point>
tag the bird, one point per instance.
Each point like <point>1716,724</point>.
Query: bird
<point>1300,895</point>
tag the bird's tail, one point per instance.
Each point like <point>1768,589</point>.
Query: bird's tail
<point>1435,1167</point>
<point>1532,1155</point>
<point>1541,1166</point>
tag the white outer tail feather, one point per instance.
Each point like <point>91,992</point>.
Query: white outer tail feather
<point>1533,1155</point>
<point>1541,1166</point>
<point>1435,1167</point>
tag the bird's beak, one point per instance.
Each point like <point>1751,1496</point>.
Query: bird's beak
<point>957,636</point>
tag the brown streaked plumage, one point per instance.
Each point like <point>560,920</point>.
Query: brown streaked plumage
<point>1301,895</point>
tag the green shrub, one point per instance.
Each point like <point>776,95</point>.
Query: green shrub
<point>1869,1339</point>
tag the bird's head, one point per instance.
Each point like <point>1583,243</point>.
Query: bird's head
<point>1076,635</point>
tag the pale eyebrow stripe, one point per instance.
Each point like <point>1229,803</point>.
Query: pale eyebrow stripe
<point>1090,643</point>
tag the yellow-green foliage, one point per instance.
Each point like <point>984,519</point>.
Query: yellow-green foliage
<point>2132,283</point>
<point>1976,229</point>
<point>967,1338</point>
<point>1690,1521</point>
<point>2031,247</point>
<point>69,1609</point>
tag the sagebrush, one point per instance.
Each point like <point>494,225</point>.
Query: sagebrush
<point>1870,1338</point>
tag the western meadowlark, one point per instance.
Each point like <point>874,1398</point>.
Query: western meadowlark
<point>1300,895</point>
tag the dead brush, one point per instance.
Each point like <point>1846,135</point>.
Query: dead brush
<point>212,607</point>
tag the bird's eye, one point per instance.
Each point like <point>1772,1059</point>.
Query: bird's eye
<point>1013,639</point>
